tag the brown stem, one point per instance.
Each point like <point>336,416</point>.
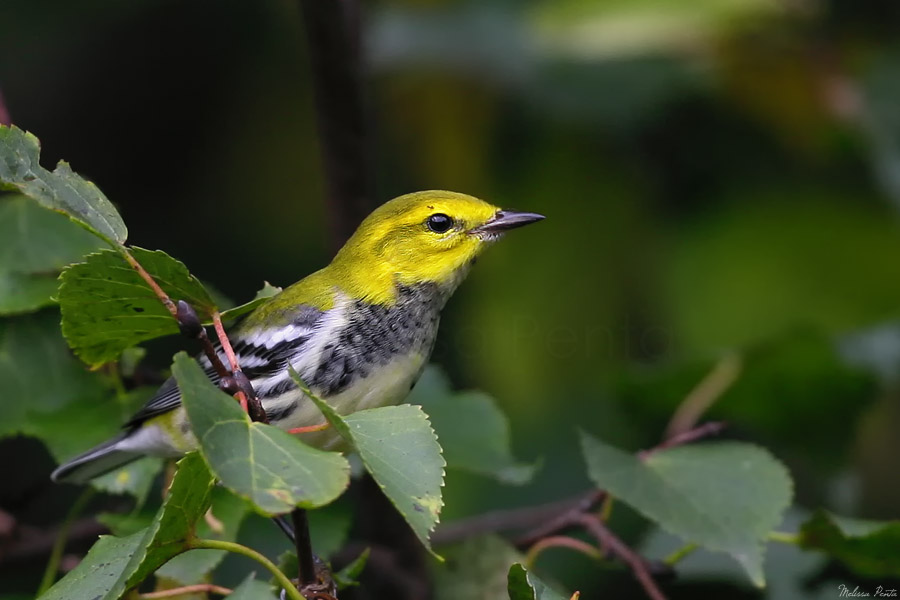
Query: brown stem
<point>163,297</point>
<point>502,520</point>
<point>686,437</point>
<point>561,541</point>
<point>618,548</point>
<point>550,519</point>
<point>302,542</point>
<point>199,588</point>
<point>562,521</point>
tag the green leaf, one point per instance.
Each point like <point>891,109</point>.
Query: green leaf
<point>118,564</point>
<point>525,585</point>
<point>168,535</point>
<point>269,467</point>
<point>60,190</point>
<point>37,243</point>
<point>252,589</point>
<point>870,549</point>
<point>106,306</point>
<point>68,407</point>
<point>724,496</point>
<point>475,569</point>
<point>23,292</point>
<point>194,565</point>
<point>37,240</point>
<point>401,452</point>
<point>135,479</point>
<point>123,525</point>
<point>268,290</point>
<point>473,431</point>
<point>98,575</point>
<point>349,575</point>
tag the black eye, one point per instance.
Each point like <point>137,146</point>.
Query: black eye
<point>439,223</point>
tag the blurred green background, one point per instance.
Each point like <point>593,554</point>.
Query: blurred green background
<point>719,176</point>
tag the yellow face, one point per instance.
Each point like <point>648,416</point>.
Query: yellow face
<point>422,237</point>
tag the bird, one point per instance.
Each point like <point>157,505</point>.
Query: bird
<point>359,332</point>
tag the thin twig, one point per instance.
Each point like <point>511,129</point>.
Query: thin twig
<point>705,394</point>
<point>686,437</point>
<point>502,520</point>
<point>562,521</point>
<point>198,588</point>
<point>619,549</point>
<point>163,296</point>
<point>550,519</point>
<point>561,541</point>
<point>246,395</point>
<point>679,554</point>
<point>191,327</point>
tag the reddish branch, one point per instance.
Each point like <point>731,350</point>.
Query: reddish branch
<point>232,379</point>
<point>550,520</point>
<point>616,547</point>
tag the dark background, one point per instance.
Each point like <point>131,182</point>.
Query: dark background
<point>719,176</point>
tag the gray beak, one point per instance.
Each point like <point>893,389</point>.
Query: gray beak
<point>505,220</point>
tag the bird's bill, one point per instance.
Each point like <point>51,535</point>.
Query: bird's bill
<point>504,220</point>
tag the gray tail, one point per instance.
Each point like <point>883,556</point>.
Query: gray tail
<point>97,461</point>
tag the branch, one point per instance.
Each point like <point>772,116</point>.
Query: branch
<point>550,520</point>
<point>686,437</point>
<point>506,520</point>
<point>589,501</point>
<point>232,380</point>
<point>561,541</point>
<point>307,565</point>
<point>617,547</point>
<point>564,520</point>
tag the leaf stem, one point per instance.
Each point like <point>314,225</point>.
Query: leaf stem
<point>680,554</point>
<point>162,295</point>
<point>290,589</point>
<point>784,537</point>
<point>59,545</point>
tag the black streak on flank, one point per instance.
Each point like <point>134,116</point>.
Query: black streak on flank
<point>376,334</point>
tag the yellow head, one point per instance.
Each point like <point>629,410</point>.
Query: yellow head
<point>422,237</point>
